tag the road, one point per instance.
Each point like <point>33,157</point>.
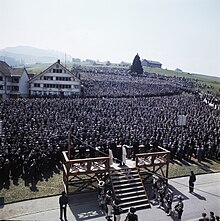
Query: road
<point>84,206</point>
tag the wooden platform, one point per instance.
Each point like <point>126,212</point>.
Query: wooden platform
<point>88,171</point>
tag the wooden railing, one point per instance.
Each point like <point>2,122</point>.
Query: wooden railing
<point>85,166</point>
<point>153,159</point>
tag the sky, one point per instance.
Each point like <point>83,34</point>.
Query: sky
<point>181,34</point>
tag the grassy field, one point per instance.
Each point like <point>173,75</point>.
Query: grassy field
<point>53,185</point>
<point>209,80</point>
<point>46,187</point>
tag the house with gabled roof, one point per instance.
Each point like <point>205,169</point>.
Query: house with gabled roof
<point>56,80</point>
<point>151,64</point>
<point>13,81</point>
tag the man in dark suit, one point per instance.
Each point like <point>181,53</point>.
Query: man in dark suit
<point>192,179</point>
<point>63,200</point>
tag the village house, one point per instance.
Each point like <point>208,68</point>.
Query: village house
<point>13,81</point>
<point>56,80</point>
<point>151,64</point>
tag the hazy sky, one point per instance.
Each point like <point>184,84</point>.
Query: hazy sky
<point>178,33</point>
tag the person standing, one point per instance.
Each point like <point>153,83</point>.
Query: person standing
<point>192,179</point>
<point>212,216</point>
<point>179,207</point>
<point>131,216</point>
<point>124,155</point>
<point>155,187</point>
<point>169,200</point>
<point>135,148</point>
<point>111,157</point>
<point>32,172</point>
<point>101,194</point>
<point>109,203</point>
<point>117,210</point>
<point>63,200</point>
<point>161,193</point>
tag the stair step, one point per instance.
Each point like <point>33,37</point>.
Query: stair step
<point>128,184</point>
<point>123,175</point>
<point>131,193</point>
<point>128,189</point>
<point>138,207</point>
<point>125,180</point>
<point>134,203</point>
<point>131,198</point>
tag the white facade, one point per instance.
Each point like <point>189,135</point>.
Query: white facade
<point>13,81</point>
<point>55,81</point>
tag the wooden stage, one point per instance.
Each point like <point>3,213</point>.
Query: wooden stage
<point>84,173</point>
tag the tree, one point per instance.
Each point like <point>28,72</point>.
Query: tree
<point>136,66</point>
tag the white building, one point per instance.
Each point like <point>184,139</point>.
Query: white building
<point>13,81</point>
<point>55,80</point>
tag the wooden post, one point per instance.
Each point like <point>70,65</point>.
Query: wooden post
<point>69,142</point>
<point>168,160</point>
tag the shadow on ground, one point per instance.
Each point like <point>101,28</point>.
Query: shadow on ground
<point>2,201</point>
<point>85,207</point>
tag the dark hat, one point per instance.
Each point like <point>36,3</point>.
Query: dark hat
<point>132,210</point>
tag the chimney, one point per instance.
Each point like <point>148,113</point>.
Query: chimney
<point>58,61</point>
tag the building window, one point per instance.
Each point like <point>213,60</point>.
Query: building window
<point>63,78</point>
<point>59,86</point>
<point>1,78</point>
<point>15,79</point>
<point>15,88</point>
<point>36,85</point>
<point>1,87</point>
<point>50,78</point>
<point>57,70</point>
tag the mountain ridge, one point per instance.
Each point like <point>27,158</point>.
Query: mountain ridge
<point>32,55</point>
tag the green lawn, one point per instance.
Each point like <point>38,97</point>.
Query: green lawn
<point>47,187</point>
<point>183,169</point>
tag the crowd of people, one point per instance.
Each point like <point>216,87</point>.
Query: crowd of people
<point>116,85</point>
<point>117,82</point>
<point>210,217</point>
<point>117,110</point>
<point>124,86</point>
<point>35,131</point>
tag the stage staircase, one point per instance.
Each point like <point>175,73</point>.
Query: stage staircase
<point>128,188</point>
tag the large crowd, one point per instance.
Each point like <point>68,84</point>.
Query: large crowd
<point>117,82</point>
<point>100,85</point>
<point>35,131</point>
